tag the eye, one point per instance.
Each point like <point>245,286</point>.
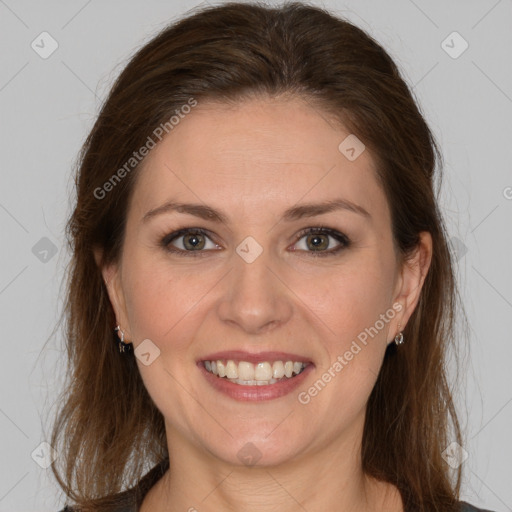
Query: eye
<point>188,242</point>
<point>318,240</point>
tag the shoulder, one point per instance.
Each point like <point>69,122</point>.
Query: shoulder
<point>132,508</point>
<point>128,508</point>
<point>130,500</point>
<point>466,507</point>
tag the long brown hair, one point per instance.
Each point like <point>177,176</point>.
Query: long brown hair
<point>108,426</point>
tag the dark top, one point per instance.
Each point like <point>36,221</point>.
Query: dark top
<point>131,499</point>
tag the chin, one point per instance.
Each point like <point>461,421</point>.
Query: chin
<point>257,448</point>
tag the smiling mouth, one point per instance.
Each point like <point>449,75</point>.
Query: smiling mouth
<point>263,373</point>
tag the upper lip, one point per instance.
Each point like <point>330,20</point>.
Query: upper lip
<point>255,357</point>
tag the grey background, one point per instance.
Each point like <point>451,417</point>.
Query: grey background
<point>48,105</point>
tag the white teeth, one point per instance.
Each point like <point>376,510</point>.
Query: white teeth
<point>278,370</point>
<point>253,382</point>
<point>248,374</point>
<point>231,370</point>
<point>245,370</point>
<point>221,369</point>
<point>263,371</point>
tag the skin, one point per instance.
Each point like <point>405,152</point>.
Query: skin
<point>252,162</point>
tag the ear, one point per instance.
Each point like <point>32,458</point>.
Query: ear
<point>112,277</point>
<point>410,282</point>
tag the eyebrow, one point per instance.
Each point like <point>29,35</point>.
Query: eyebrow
<point>294,213</point>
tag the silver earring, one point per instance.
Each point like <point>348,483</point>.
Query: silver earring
<point>123,347</point>
<point>399,338</point>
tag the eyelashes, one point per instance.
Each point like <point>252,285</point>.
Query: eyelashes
<point>195,241</point>
<point>197,234</point>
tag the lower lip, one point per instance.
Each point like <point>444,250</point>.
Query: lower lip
<point>255,393</point>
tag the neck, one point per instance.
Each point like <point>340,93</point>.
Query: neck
<point>330,478</point>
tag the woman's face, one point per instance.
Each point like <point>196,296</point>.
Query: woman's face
<point>254,287</point>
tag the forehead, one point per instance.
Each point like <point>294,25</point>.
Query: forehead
<point>265,153</point>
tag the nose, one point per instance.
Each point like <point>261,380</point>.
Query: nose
<point>254,299</point>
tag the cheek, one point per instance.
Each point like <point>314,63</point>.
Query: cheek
<point>351,297</point>
<point>354,310</point>
<point>161,297</point>
<point>355,340</point>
